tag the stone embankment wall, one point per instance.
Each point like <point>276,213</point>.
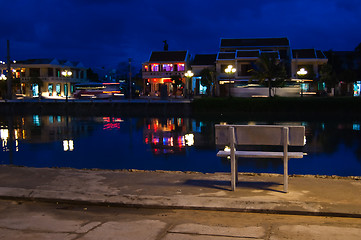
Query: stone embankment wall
<point>156,109</point>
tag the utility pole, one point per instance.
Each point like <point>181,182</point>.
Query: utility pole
<point>130,78</point>
<point>10,74</point>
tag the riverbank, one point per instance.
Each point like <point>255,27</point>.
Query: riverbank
<point>135,107</point>
<point>276,108</point>
<point>280,107</point>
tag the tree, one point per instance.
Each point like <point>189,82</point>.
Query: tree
<point>358,58</point>
<point>207,79</point>
<point>3,88</point>
<point>176,82</point>
<point>269,71</point>
<point>92,76</point>
<point>328,76</point>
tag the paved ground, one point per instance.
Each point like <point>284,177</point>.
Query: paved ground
<point>94,204</point>
<point>38,220</point>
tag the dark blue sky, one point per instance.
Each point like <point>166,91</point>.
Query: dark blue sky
<point>106,32</point>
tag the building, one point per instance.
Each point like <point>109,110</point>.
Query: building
<point>159,69</point>
<point>311,60</point>
<point>242,55</point>
<point>50,78</point>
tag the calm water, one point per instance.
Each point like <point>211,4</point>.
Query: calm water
<point>333,148</point>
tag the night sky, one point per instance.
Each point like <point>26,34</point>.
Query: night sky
<point>106,32</point>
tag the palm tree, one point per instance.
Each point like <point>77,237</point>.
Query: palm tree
<point>207,79</point>
<point>328,75</point>
<point>269,70</point>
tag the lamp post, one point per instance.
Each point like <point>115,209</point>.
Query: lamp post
<point>188,75</point>
<point>302,72</point>
<point>66,73</point>
<point>230,70</point>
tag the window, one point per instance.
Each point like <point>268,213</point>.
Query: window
<point>245,70</point>
<point>168,67</point>
<point>50,72</point>
<point>50,89</point>
<point>35,90</point>
<point>180,67</point>
<point>146,68</point>
<point>223,68</point>
<point>58,89</point>
<point>66,89</point>
<point>155,67</point>
<point>34,72</point>
<point>58,72</point>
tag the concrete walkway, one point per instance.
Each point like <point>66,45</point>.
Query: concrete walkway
<point>308,195</point>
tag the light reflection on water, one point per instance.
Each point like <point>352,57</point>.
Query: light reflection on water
<point>181,144</point>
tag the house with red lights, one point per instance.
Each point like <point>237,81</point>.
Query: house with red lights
<point>157,72</point>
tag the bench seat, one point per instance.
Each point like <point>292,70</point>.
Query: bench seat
<point>260,154</point>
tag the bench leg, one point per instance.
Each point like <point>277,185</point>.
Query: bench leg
<point>233,159</point>
<point>285,175</point>
<point>285,159</point>
<point>233,173</point>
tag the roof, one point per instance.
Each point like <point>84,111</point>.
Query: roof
<point>248,53</point>
<point>254,42</point>
<point>204,59</point>
<point>36,61</point>
<point>308,53</point>
<point>320,54</point>
<point>50,61</point>
<point>226,55</point>
<point>168,56</point>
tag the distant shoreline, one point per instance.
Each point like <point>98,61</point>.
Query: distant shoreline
<point>306,108</point>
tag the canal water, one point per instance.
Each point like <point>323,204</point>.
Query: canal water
<point>177,144</point>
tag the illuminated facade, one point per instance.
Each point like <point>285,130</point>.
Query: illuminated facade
<point>242,54</point>
<point>50,78</point>
<point>161,66</point>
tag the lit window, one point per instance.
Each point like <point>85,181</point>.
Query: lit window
<point>168,67</point>
<point>181,67</point>
<point>155,67</point>
<point>58,89</point>
<point>50,89</point>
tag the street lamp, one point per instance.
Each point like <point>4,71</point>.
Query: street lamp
<point>230,70</point>
<point>302,72</point>
<point>188,75</point>
<point>66,73</point>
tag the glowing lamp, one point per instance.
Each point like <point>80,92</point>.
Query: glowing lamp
<point>189,74</point>
<point>301,72</point>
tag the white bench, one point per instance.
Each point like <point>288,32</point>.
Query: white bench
<point>259,135</point>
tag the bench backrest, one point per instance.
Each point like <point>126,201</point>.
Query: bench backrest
<point>271,135</point>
